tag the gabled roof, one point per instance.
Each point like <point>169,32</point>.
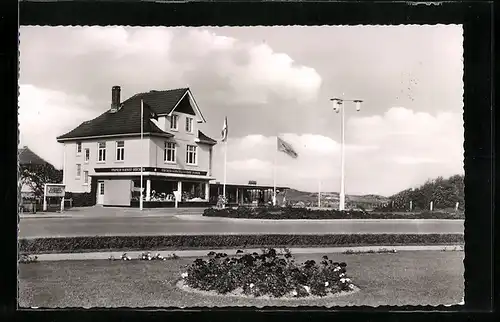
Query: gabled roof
<point>202,138</point>
<point>126,121</point>
<point>163,102</point>
<point>26,156</point>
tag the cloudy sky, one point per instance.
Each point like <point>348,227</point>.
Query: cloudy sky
<point>268,81</point>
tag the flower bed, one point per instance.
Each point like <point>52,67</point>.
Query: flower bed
<point>179,242</point>
<point>267,274</point>
<point>305,213</point>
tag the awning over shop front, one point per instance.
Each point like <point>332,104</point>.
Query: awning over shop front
<point>152,171</point>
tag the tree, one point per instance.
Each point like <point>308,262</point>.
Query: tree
<point>445,193</point>
<point>36,176</point>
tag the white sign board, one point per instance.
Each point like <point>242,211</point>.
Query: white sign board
<point>54,190</point>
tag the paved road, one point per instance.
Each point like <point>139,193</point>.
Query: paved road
<point>190,225</point>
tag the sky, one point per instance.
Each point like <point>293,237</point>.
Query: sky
<point>269,82</point>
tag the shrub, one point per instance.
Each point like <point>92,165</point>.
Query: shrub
<point>84,199</point>
<point>27,259</point>
<point>305,213</point>
<point>268,273</point>
<point>177,242</point>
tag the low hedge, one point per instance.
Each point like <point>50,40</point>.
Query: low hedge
<point>179,242</point>
<point>83,199</point>
<point>304,213</point>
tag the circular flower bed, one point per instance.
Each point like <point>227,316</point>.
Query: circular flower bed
<point>270,274</point>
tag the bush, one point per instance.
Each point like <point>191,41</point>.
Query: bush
<point>268,273</point>
<point>304,213</point>
<point>27,259</point>
<point>84,199</point>
<point>178,242</point>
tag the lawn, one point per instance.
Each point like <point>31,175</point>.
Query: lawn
<point>404,278</point>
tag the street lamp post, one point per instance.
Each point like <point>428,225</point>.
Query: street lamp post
<point>338,106</point>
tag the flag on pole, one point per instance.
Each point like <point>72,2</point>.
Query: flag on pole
<point>224,130</point>
<point>224,139</point>
<point>141,202</point>
<point>286,148</point>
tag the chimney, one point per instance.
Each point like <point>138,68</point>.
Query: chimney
<point>115,99</point>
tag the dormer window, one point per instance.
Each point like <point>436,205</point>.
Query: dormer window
<point>189,124</point>
<point>174,122</point>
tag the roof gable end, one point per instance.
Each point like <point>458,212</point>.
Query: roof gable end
<point>192,102</point>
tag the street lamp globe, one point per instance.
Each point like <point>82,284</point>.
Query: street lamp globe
<point>358,104</point>
<point>337,104</point>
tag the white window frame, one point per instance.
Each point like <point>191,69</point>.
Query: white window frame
<point>78,171</point>
<point>166,148</point>
<point>193,151</point>
<point>99,149</point>
<point>189,123</point>
<point>78,148</point>
<point>85,177</point>
<point>101,188</point>
<point>174,126</point>
<point>118,149</point>
<point>86,157</point>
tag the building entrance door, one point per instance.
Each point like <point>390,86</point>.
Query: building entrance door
<point>100,192</point>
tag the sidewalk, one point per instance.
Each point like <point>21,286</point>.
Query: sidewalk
<point>204,252</point>
<point>111,212</point>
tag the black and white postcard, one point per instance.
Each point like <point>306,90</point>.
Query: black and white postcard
<point>241,166</point>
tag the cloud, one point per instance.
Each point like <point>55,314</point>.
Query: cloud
<point>44,115</point>
<point>384,154</point>
<point>220,70</point>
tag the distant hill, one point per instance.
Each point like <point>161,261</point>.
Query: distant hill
<point>444,193</point>
<point>331,199</point>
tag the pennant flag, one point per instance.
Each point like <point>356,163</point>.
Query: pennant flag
<point>224,130</point>
<point>286,148</point>
<point>149,111</point>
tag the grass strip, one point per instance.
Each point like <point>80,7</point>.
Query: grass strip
<point>305,213</point>
<point>184,242</point>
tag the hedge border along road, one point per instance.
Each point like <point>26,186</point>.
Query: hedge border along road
<point>182,242</point>
<point>304,213</point>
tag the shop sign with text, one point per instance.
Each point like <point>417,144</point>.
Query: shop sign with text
<point>152,169</point>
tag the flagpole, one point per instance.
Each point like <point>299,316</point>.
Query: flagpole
<point>319,193</point>
<point>142,142</point>
<point>274,173</point>
<point>225,172</point>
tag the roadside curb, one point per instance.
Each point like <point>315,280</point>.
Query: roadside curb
<point>127,215</point>
<point>204,218</point>
<point>203,252</point>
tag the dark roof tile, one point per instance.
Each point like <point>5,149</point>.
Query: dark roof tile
<point>126,119</point>
<point>205,139</point>
<point>26,156</point>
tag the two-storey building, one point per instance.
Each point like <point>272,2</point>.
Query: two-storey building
<point>174,154</point>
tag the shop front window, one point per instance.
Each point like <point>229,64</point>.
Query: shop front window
<point>193,191</point>
<point>161,190</point>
